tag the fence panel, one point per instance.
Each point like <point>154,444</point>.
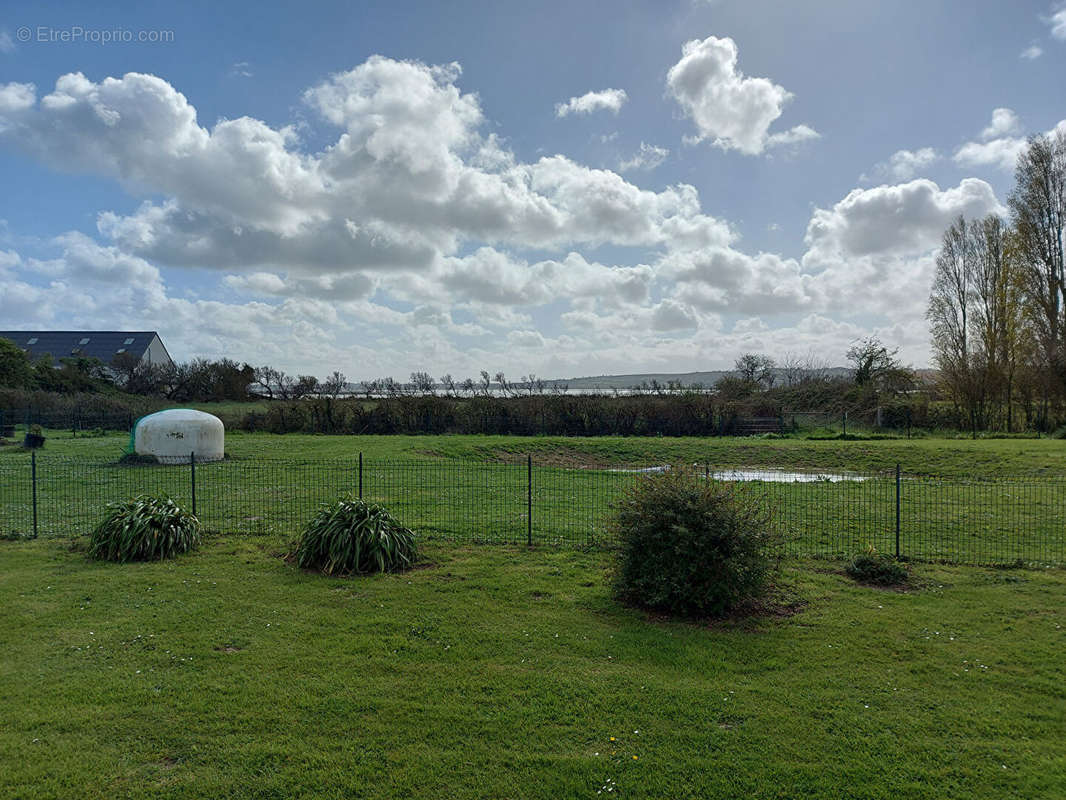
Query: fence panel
<point>72,494</point>
<point>453,500</point>
<point>268,496</point>
<point>985,521</point>
<point>956,520</point>
<point>16,498</point>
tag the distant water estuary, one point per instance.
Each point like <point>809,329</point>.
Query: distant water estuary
<point>765,475</point>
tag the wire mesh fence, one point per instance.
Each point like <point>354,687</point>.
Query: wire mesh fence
<point>957,520</point>
<point>15,422</point>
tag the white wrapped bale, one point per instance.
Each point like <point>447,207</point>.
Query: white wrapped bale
<point>172,436</point>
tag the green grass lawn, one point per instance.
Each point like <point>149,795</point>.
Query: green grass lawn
<point>495,672</point>
<point>474,488</point>
<point>927,456</point>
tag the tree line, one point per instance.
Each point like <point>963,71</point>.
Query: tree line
<point>491,403</point>
<point>997,308</point>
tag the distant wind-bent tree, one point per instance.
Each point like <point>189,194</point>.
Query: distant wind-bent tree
<point>422,383</point>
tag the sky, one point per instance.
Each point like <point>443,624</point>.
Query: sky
<point>556,188</point>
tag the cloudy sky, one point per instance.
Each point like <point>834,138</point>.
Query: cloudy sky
<point>566,188</point>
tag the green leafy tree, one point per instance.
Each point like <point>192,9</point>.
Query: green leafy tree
<point>15,370</point>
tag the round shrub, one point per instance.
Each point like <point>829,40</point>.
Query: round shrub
<point>145,528</point>
<point>354,537</point>
<point>693,547</point>
<point>877,568</point>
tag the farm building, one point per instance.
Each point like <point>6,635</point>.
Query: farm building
<point>104,345</point>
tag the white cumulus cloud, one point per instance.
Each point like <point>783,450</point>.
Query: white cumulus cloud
<point>1057,22</point>
<point>604,100</point>
<point>903,165</point>
<point>731,110</point>
<point>648,157</point>
<point>999,144</point>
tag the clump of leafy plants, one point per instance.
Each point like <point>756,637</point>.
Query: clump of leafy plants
<point>694,547</point>
<point>354,537</point>
<point>877,568</point>
<point>145,528</point>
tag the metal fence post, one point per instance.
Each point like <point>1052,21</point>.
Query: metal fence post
<point>529,500</point>
<point>33,477</point>
<point>360,476</point>
<point>898,484</point>
<point>192,474</point>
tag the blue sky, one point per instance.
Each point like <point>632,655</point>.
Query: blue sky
<point>392,186</point>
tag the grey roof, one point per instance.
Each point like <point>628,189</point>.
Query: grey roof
<point>104,345</point>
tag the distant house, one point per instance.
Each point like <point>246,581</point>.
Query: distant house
<point>104,345</point>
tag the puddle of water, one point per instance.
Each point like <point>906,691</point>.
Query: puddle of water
<point>766,475</point>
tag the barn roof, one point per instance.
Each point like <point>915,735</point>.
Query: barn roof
<point>104,345</point>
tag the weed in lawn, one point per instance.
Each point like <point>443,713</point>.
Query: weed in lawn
<point>877,568</point>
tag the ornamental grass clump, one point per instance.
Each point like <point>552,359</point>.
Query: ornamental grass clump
<point>694,547</point>
<point>353,536</point>
<point>877,568</point>
<point>146,528</point>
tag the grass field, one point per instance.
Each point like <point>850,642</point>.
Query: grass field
<point>926,456</point>
<point>494,672</point>
<point>476,488</point>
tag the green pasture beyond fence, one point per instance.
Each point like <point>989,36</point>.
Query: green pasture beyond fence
<point>965,521</point>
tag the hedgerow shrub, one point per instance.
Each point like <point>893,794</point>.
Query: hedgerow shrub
<point>352,536</point>
<point>877,568</point>
<point>693,547</point>
<point>145,528</point>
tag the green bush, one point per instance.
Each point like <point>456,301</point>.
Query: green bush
<point>877,568</point>
<point>145,528</point>
<point>353,536</point>
<point>693,547</point>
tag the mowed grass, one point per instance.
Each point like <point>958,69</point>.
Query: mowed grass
<point>496,672</point>
<point>977,502</point>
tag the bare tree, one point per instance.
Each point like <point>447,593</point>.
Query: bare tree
<point>422,383</point>
<point>485,385</point>
<point>447,383</point>
<point>138,376</point>
<point>506,387</point>
<point>792,368</point>
<point>1038,216</point>
<point>534,385</point>
<point>303,386</point>
<point>332,386</point>
<point>469,386</point>
<point>268,379</point>
<point>950,316</point>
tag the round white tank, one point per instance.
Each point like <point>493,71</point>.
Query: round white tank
<point>172,436</point>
